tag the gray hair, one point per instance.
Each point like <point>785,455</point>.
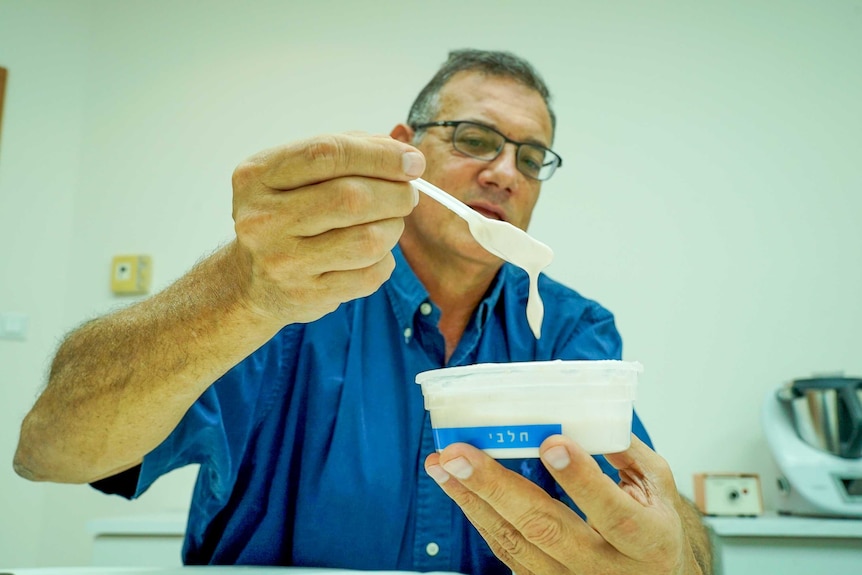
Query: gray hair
<point>492,63</point>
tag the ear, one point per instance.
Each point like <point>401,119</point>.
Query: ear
<point>403,133</point>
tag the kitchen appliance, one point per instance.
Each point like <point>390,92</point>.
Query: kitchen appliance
<point>814,431</point>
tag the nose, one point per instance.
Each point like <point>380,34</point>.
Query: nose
<point>502,172</point>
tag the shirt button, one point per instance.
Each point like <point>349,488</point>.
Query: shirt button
<point>425,308</point>
<point>432,549</point>
<point>407,332</point>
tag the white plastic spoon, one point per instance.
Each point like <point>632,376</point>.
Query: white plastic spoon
<point>504,241</point>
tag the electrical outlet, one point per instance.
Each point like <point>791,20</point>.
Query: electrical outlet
<point>130,274</point>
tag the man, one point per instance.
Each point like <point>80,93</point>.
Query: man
<point>284,364</point>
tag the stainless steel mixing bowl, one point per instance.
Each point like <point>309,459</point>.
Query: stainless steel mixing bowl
<point>827,413</point>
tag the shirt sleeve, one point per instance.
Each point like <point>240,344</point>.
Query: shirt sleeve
<point>123,483</point>
<point>593,337</point>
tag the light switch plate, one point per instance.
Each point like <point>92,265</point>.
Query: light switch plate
<point>130,274</point>
<point>731,494</point>
<point>13,325</point>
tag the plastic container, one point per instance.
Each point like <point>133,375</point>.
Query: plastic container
<point>508,409</point>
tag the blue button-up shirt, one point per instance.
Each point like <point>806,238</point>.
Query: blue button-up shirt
<point>311,450</point>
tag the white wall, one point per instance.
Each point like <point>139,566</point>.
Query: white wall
<point>40,45</point>
<point>709,197</point>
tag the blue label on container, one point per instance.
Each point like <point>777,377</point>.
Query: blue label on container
<point>496,436</point>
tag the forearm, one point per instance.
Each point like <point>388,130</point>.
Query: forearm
<point>119,384</point>
<point>697,535</point>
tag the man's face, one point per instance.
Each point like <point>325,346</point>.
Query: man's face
<point>495,189</point>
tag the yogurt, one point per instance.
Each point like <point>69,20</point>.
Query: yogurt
<point>508,409</point>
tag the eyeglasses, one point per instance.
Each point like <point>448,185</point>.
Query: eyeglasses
<point>484,143</point>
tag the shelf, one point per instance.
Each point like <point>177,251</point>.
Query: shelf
<point>154,524</point>
<point>774,525</point>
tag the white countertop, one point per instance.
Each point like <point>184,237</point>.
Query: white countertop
<point>775,525</point>
<point>767,525</point>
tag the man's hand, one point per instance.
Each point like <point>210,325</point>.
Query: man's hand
<point>316,221</point>
<point>640,527</point>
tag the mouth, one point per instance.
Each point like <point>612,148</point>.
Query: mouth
<point>488,211</point>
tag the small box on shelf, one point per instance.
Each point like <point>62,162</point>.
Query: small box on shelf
<point>728,494</point>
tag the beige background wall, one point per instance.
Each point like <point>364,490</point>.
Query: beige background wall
<point>710,195</point>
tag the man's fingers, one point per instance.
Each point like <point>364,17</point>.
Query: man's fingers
<point>344,202</point>
<point>522,524</point>
<point>618,516</point>
<point>316,220</point>
<point>505,541</point>
<point>643,473</point>
<point>637,457</point>
<point>351,248</point>
<point>609,510</point>
<point>349,284</point>
<point>315,297</point>
<point>333,156</point>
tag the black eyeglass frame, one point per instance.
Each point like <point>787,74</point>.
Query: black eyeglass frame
<point>455,123</point>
